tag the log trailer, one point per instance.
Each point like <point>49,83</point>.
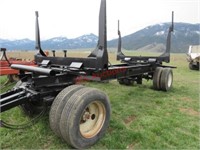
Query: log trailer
<point>80,115</point>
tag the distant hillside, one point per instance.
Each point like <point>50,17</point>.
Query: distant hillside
<point>84,41</point>
<point>153,38</point>
<point>23,44</point>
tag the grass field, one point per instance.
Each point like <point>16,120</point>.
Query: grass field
<point>142,118</point>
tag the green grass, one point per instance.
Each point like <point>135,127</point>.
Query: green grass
<point>142,118</point>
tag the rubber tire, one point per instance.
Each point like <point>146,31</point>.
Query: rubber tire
<point>120,81</point>
<point>127,82</point>
<point>194,67</point>
<point>156,78</point>
<point>164,80</point>
<point>191,66</point>
<point>73,110</point>
<point>58,105</point>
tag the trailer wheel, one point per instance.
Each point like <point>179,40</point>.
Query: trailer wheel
<point>128,82</point>
<point>120,81</point>
<point>125,81</point>
<point>166,79</point>
<point>85,118</point>
<point>194,67</point>
<point>58,105</point>
<point>191,66</point>
<point>156,78</point>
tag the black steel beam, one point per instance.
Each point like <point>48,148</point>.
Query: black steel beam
<point>44,71</point>
<point>12,99</point>
<point>165,57</point>
<point>98,59</point>
<point>123,70</point>
<point>37,36</point>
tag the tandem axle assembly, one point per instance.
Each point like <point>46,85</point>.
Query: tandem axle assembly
<point>80,115</point>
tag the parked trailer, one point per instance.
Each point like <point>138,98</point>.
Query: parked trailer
<point>79,115</point>
<point>193,57</point>
<point>162,76</point>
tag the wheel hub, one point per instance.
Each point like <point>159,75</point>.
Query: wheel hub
<point>92,119</point>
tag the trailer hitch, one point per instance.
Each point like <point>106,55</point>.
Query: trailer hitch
<point>19,96</point>
<point>15,97</point>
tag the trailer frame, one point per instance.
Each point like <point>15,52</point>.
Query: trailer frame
<point>53,83</point>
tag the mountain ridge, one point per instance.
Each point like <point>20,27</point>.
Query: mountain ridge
<point>150,38</point>
<point>184,34</point>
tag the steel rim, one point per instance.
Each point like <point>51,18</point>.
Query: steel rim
<point>92,119</point>
<point>169,83</point>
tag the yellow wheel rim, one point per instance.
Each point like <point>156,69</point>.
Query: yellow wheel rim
<point>92,119</point>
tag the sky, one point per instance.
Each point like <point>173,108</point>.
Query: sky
<point>73,18</point>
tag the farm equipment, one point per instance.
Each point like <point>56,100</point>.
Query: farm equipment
<point>161,74</point>
<point>80,115</point>
<point>5,64</point>
<point>193,57</point>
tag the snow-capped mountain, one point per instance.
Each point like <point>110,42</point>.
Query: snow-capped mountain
<point>90,38</point>
<point>151,38</point>
<point>84,41</point>
<point>23,44</point>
